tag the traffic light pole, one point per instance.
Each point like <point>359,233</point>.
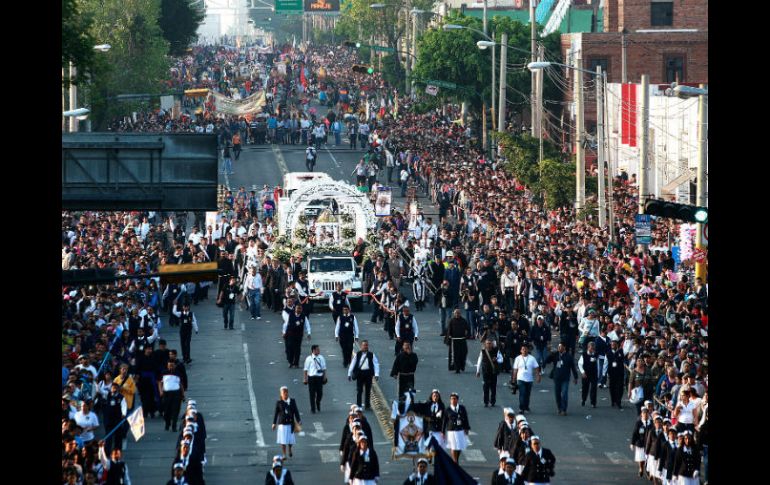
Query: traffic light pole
<point>700,198</point>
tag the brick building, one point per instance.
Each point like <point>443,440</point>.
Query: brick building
<point>665,39</point>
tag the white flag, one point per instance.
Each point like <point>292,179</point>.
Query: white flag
<point>136,420</point>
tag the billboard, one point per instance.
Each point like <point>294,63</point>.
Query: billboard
<point>322,6</point>
<point>288,6</point>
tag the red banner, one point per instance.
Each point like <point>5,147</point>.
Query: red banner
<point>628,114</point>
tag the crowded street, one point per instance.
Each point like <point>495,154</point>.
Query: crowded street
<point>560,351</point>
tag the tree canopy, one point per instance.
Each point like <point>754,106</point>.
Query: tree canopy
<point>77,42</point>
<point>179,21</point>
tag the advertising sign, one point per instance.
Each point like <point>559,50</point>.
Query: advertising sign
<point>322,6</point>
<point>643,229</point>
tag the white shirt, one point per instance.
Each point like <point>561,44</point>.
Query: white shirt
<point>499,359</point>
<point>195,238</point>
<point>315,365</point>
<point>365,365</point>
<point>87,421</point>
<point>414,325</point>
<point>171,382</point>
<point>686,412</point>
<point>355,328</point>
<point>254,282</point>
<point>286,323</point>
<point>526,367</point>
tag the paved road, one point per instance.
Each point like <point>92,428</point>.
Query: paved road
<point>236,375</point>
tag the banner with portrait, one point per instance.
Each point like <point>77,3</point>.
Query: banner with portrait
<point>383,202</point>
<point>411,437</point>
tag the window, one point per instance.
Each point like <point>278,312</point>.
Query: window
<point>674,66</point>
<point>598,61</point>
<point>327,265</point>
<point>662,14</point>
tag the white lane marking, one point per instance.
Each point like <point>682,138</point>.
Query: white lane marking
<point>617,458</point>
<point>336,163</point>
<point>474,455</point>
<point>279,158</point>
<point>584,437</point>
<point>243,327</point>
<point>329,456</point>
<point>253,399</point>
<point>320,434</point>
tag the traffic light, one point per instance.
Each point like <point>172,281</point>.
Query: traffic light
<point>363,69</point>
<point>672,210</point>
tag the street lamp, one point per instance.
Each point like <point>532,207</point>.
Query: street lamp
<point>102,47</point>
<point>491,43</point>
<point>580,184</point>
<point>701,198</point>
<point>73,125</point>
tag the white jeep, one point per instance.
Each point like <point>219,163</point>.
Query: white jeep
<point>325,271</point>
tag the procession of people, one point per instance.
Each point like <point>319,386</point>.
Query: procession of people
<point>506,276</point>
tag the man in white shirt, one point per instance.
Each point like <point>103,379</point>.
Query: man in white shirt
<point>171,393</point>
<point>195,236</point>
<point>84,365</point>
<point>363,367</point>
<point>253,288</point>
<point>87,420</point>
<point>525,369</point>
<point>315,375</point>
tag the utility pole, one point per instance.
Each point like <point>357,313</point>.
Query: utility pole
<point>503,62</point>
<point>540,57</point>
<point>73,98</point>
<point>533,78</point>
<point>701,192</point>
<point>407,32</point>
<point>600,136</point>
<point>644,162</point>
<point>610,164</point>
<point>623,45</point>
<point>580,161</point>
<point>413,60</point>
<point>485,17</point>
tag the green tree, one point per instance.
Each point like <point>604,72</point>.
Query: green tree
<point>522,154</point>
<point>557,182</point>
<point>137,63</point>
<point>77,42</point>
<point>179,21</point>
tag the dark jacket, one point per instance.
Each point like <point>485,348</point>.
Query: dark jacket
<point>535,470</point>
<point>540,336</point>
<point>563,365</point>
<point>287,480</point>
<point>362,469</point>
<point>286,413</point>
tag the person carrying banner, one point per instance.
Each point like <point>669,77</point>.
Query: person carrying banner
<point>117,470</point>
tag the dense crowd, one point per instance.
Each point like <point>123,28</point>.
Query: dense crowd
<point>500,268</point>
<point>114,359</point>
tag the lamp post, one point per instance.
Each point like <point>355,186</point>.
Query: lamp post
<point>580,187</point>
<point>490,42</point>
<point>73,122</point>
<point>701,192</point>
